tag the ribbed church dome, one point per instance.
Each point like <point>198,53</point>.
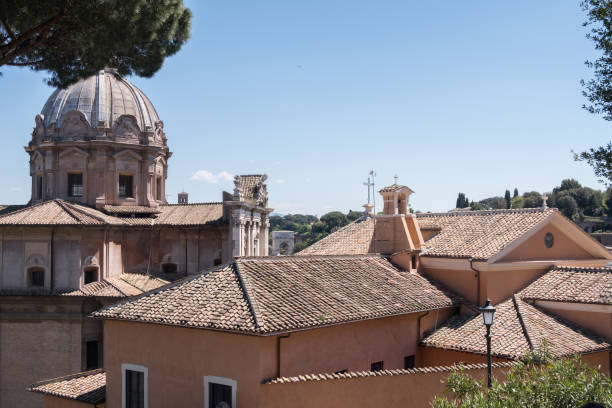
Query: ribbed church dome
<point>102,99</point>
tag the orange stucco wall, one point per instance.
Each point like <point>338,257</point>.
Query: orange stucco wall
<point>178,358</point>
<point>597,322</point>
<point>463,282</point>
<point>408,390</point>
<point>535,249</point>
<point>435,357</point>
<point>499,285</point>
<point>601,360</point>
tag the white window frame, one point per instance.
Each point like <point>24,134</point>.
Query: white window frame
<point>142,369</point>
<point>219,380</point>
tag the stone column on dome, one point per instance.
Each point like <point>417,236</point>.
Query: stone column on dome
<point>101,164</point>
<point>149,176</point>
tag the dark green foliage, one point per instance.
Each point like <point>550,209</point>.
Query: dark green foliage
<point>462,201</point>
<point>334,220</point>
<point>495,203</point>
<point>600,159</point>
<point>507,198</point>
<point>598,90</point>
<point>532,199</point>
<point>568,207</point>
<point>539,382</point>
<point>475,206</point>
<point>308,228</point>
<point>353,215</point>
<point>515,193</point>
<point>74,39</point>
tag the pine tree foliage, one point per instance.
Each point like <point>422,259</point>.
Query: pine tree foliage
<point>74,39</point>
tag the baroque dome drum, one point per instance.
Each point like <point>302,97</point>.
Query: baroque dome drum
<point>103,106</point>
<point>99,142</point>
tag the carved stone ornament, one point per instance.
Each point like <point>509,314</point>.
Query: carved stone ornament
<point>35,260</point>
<point>127,128</point>
<point>75,127</point>
<point>39,130</point>
<point>261,192</point>
<point>159,132</point>
<point>238,189</point>
<point>90,261</point>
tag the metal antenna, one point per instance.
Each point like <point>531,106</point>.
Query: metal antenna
<point>373,174</point>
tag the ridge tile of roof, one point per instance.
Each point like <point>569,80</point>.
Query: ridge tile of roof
<point>124,285</point>
<point>88,387</point>
<point>517,328</point>
<point>572,284</point>
<point>265,295</point>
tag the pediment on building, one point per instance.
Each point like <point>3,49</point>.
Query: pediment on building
<point>126,127</point>
<point>75,126</point>
<point>127,154</point>
<point>73,151</point>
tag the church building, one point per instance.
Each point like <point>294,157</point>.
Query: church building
<point>99,228</point>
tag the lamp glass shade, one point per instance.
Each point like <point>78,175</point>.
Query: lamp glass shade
<point>488,312</point>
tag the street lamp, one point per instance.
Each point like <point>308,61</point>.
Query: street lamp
<point>488,312</point>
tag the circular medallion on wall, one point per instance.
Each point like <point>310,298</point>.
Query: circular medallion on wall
<point>549,240</point>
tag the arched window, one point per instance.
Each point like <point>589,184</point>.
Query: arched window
<point>90,274</point>
<point>169,267</point>
<point>36,277</point>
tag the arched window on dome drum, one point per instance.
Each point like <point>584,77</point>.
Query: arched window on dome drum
<point>36,277</point>
<point>158,188</point>
<point>91,274</point>
<point>126,186</point>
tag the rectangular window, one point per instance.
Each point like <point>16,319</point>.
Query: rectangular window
<point>91,355</point>
<point>408,362</point>
<point>135,388</point>
<point>377,366</point>
<point>36,277</point>
<point>75,185</point>
<point>158,188</point>
<point>91,275</point>
<point>413,262</point>
<point>39,187</point>
<point>126,184</point>
<point>219,389</point>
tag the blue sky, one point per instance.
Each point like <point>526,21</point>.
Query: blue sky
<point>467,96</point>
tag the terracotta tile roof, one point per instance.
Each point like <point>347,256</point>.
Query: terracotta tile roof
<point>130,209</point>
<point>60,212</point>
<point>518,327</point>
<point>353,239</point>
<point>394,187</point>
<point>572,284</point>
<point>265,295</point>
<point>125,285</point>
<point>386,373</point>
<point>190,214</point>
<point>479,234</point>
<point>88,387</point>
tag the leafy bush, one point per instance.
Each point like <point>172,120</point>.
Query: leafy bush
<point>539,382</point>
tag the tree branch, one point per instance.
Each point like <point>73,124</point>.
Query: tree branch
<point>27,41</point>
<point>8,29</point>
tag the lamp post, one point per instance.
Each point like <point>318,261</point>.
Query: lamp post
<point>488,312</point>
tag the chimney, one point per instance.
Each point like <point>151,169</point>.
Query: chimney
<point>397,229</point>
<point>183,198</point>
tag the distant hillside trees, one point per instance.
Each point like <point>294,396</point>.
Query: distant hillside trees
<point>309,228</point>
<point>462,201</point>
<point>570,197</point>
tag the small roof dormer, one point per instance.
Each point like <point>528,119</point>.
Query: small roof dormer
<point>395,199</point>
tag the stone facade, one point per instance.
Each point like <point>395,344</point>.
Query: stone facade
<point>99,162</point>
<point>282,242</point>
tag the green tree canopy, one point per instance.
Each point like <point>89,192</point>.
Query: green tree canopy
<point>334,220</point>
<point>536,383</point>
<point>73,39</point>
<point>507,198</point>
<point>462,201</point>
